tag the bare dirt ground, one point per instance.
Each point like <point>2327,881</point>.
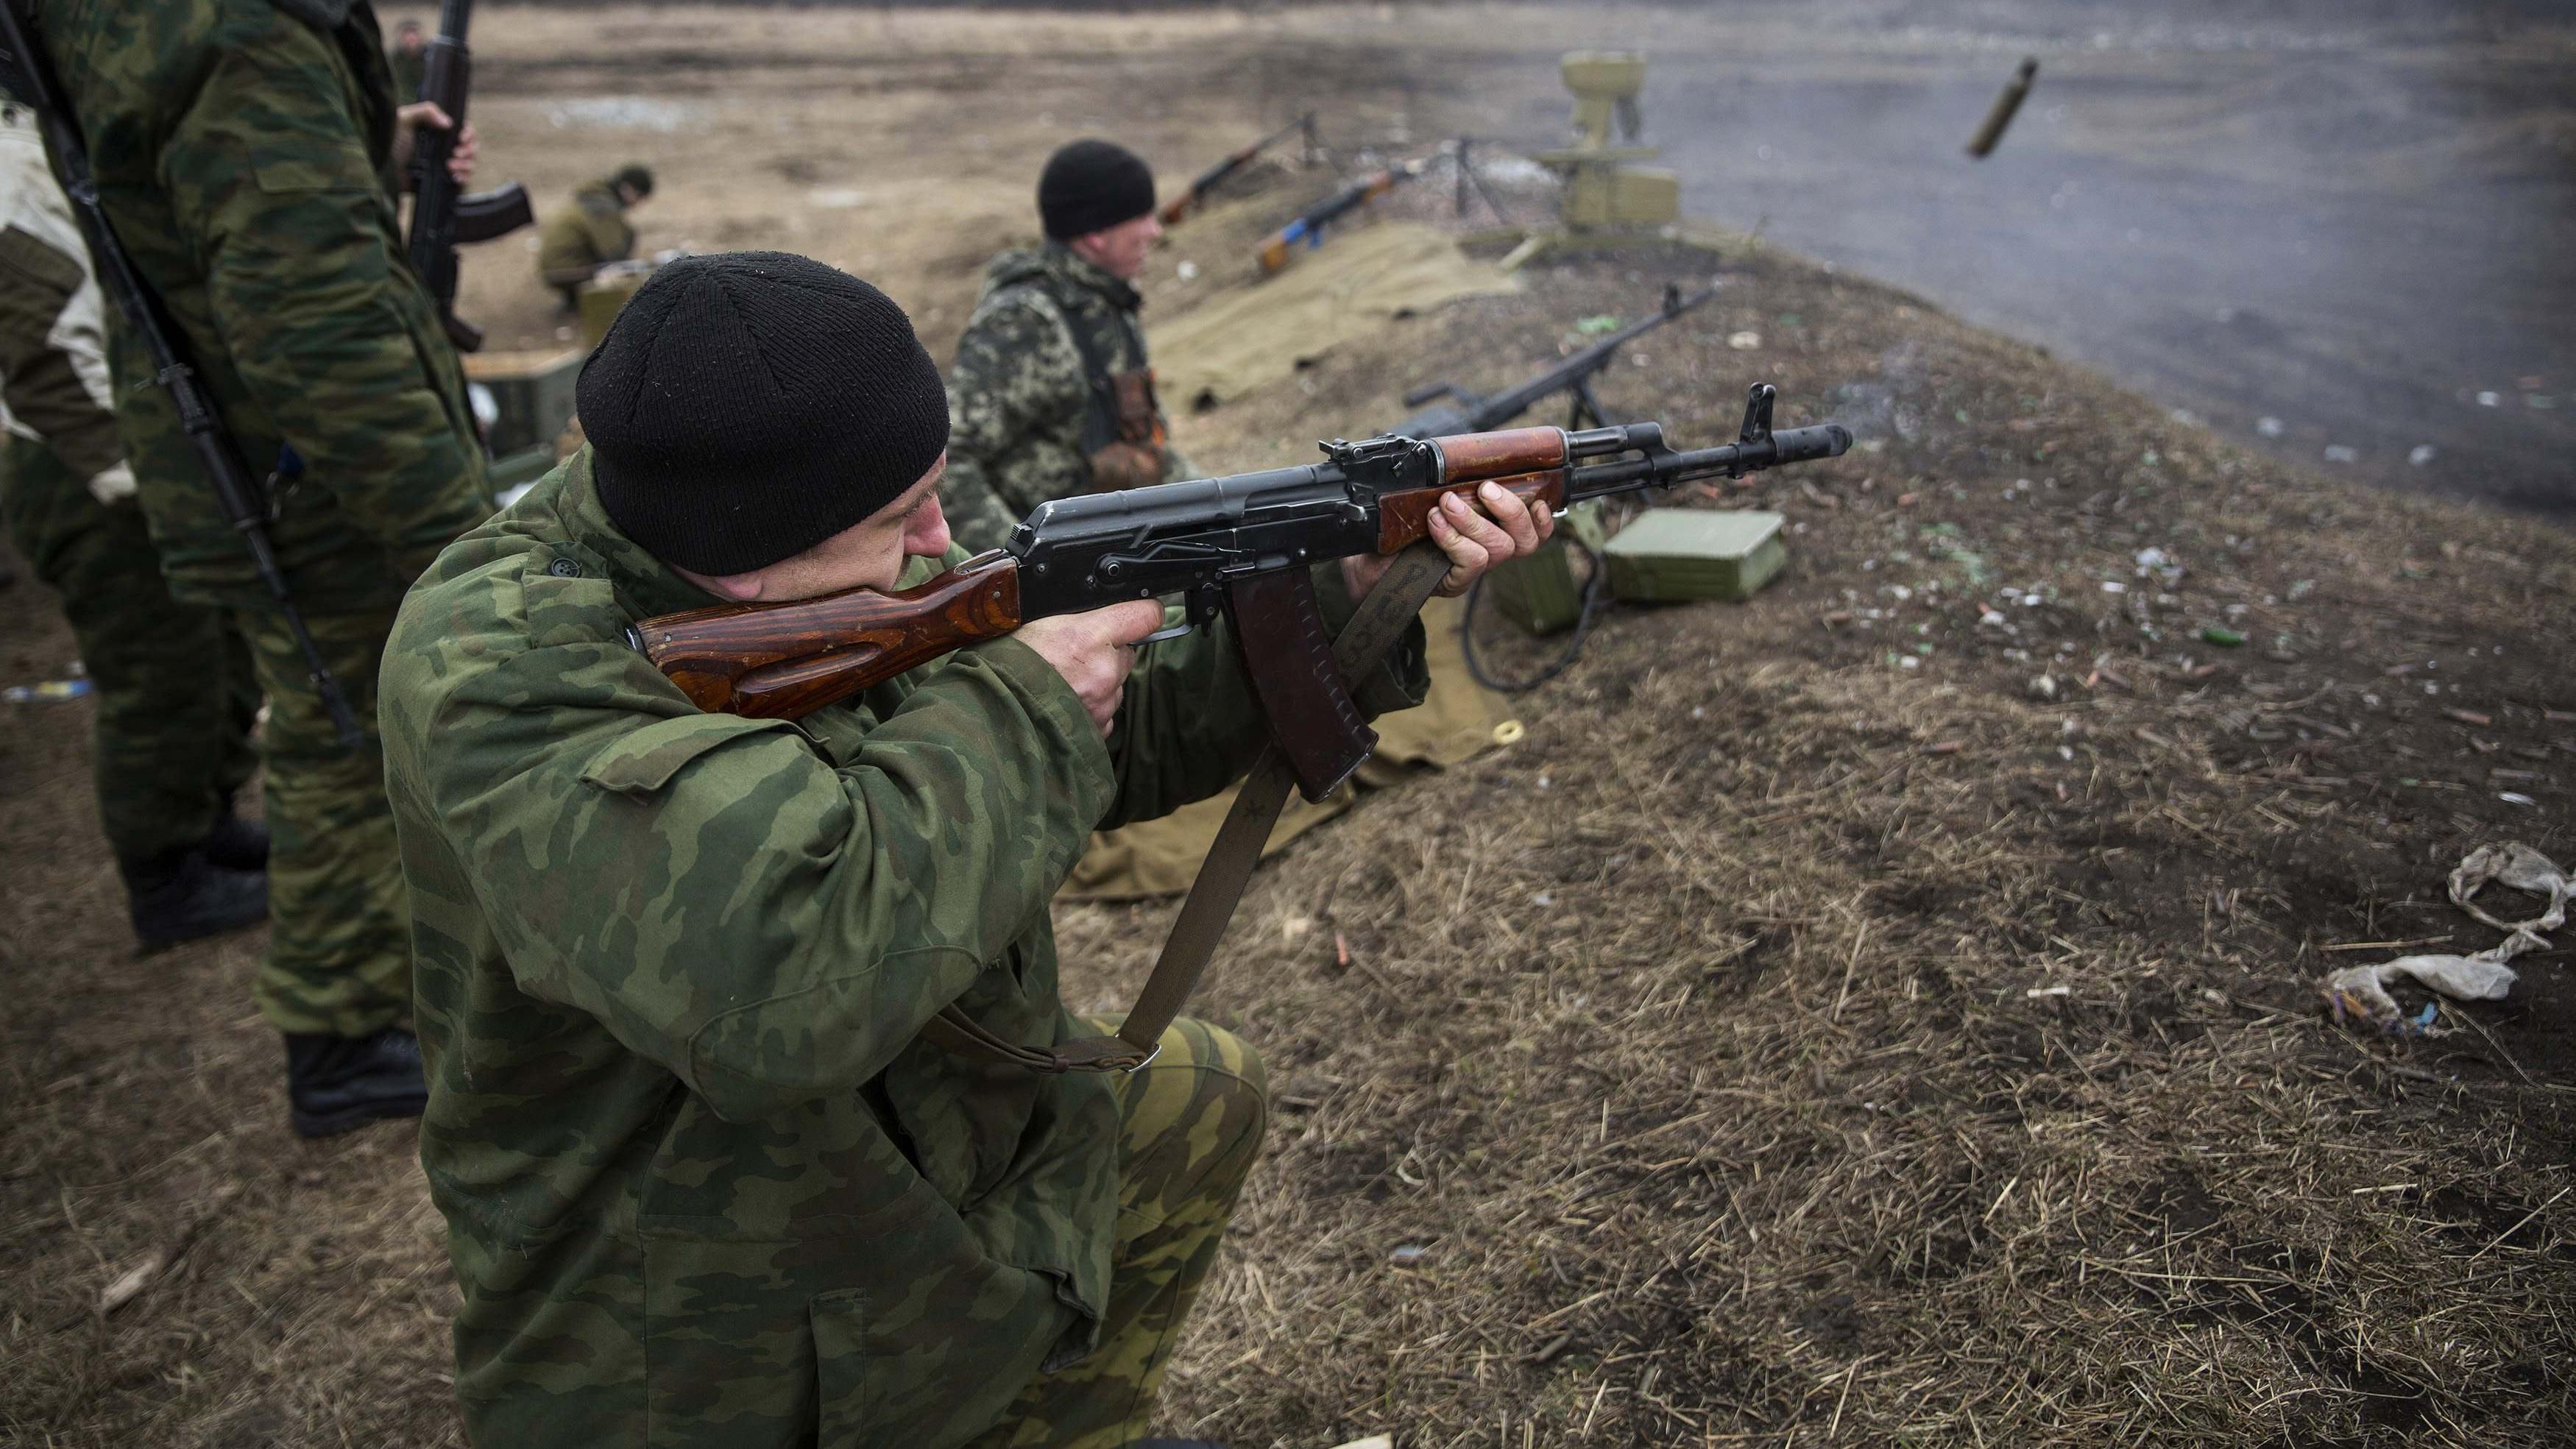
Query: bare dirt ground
<point>1816,1030</point>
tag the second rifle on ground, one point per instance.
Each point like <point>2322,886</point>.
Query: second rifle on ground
<point>1467,412</point>
<point>443,217</point>
<point>1196,194</point>
<point>1309,228</point>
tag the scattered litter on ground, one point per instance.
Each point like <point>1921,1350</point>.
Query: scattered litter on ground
<point>1744,341</point>
<point>2362,990</point>
<point>52,691</point>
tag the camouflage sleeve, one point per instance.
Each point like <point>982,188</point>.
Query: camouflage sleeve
<point>1189,725</point>
<point>1017,372</point>
<point>38,380</point>
<point>727,902</point>
<point>270,178</point>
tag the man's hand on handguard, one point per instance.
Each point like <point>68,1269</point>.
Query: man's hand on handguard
<point>1475,541</point>
<point>1094,651</point>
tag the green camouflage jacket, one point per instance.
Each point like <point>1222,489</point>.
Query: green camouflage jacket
<point>243,153</point>
<point>1018,395</point>
<point>581,234</point>
<point>702,1183</point>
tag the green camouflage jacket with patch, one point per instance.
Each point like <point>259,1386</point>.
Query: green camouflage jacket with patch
<point>1019,394</point>
<point>244,156</point>
<point>703,1185</point>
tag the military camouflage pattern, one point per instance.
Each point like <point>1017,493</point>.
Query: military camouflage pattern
<point>339,951</point>
<point>1018,396</point>
<point>1190,1128</point>
<point>171,735</point>
<point>703,1185</point>
<point>171,730</point>
<point>580,236</point>
<point>244,157</point>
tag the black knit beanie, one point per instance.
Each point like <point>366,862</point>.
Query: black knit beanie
<point>1090,186</point>
<point>747,406</point>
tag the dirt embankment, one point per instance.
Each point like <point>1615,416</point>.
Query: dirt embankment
<point>1818,1028</point>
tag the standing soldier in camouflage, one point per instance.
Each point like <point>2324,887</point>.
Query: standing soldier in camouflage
<point>248,155</point>
<point>173,682</point>
<point>408,60</point>
<point>1051,393</point>
<point>590,231</point>
<point>705,1181</point>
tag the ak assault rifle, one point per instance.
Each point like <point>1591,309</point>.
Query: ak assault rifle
<point>29,73</point>
<point>442,217</point>
<point>1241,545</point>
<point>1465,412</point>
<point>1215,176</point>
<point>1309,228</point>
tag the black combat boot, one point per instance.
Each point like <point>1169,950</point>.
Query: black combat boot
<point>335,1083</point>
<point>183,896</point>
<point>238,844</point>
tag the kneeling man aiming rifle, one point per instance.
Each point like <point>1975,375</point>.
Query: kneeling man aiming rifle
<point>754,1112</point>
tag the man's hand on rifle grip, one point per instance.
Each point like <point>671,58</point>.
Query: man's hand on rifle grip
<point>1475,541</point>
<point>407,123</point>
<point>1094,651</point>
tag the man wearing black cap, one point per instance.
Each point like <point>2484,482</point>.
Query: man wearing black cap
<point>704,1182</point>
<point>1051,394</point>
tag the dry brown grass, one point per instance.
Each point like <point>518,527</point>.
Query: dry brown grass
<point>1692,1038</point>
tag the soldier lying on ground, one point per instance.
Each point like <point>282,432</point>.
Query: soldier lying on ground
<point>590,231</point>
<point>704,1182</point>
<point>1052,394</point>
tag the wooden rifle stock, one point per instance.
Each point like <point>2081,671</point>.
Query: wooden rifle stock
<point>785,661</point>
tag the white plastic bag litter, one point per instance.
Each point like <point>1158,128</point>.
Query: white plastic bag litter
<point>2363,990</point>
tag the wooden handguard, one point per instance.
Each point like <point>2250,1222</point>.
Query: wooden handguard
<point>1529,461</point>
<point>785,661</point>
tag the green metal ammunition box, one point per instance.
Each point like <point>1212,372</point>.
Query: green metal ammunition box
<point>1671,554</point>
<point>1540,593</point>
<point>533,392</point>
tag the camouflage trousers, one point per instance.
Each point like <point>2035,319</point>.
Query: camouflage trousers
<point>1191,1125</point>
<point>172,681</point>
<point>339,946</point>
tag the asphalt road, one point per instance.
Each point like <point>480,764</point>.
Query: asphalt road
<point>2343,232</point>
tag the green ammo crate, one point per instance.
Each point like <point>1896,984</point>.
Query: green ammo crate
<point>532,391</point>
<point>1540,593</point>
<point>1668,555</point>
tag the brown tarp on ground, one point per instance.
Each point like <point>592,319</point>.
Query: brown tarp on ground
<point>1360,281</point>
<point>1457,722</point>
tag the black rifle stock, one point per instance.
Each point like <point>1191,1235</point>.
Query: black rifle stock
<point>1467,412</point>
<point>1239,545</point>
<point>442,217</point>
<point>29,73</point>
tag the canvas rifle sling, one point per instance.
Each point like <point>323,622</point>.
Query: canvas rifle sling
<point>1359,652</point>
